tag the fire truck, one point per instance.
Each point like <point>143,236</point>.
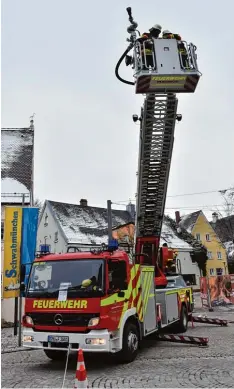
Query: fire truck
<point>104,300</point>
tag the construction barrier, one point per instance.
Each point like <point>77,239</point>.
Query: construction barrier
<point>204,292</point>
<point>208,320</point>
<point>184,339</point>
<point>217,290</point>
<point>81,380</point>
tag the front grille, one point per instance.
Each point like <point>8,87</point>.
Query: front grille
<point>69,319</point>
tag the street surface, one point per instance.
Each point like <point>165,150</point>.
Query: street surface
<point>159,364</point>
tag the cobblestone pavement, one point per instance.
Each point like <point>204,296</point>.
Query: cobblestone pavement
<point>159,364</point>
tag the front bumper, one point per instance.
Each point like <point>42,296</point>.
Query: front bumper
<point>35,339</point>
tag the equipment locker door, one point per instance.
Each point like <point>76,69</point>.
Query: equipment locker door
<point>149,302</point>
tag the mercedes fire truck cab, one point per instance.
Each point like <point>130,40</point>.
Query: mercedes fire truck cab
<point>98,301</point>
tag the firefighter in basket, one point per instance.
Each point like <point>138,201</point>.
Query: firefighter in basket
<point>181,47</point>
<point>147,45</point>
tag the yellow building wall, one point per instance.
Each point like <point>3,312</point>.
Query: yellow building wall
<point>214,246</point>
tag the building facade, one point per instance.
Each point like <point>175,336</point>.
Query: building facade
<point>197,224</point>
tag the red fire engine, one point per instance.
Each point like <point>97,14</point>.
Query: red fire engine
<point>103,300</point>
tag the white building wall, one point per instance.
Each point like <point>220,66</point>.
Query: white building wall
<point>187,266</point>
<point>50,234</point>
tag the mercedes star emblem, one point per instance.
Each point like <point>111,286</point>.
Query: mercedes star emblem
<point>58,319</point>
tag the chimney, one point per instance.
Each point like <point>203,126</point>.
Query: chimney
<point>83,203</point>
<point>177,217</point>
<point>130,208</point>
<point>215,217</point>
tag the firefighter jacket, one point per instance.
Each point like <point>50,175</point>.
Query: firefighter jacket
<point>148,43</point>
<point>181,46</point>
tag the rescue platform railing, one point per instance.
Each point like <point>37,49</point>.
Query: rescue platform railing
<point>142,63</point>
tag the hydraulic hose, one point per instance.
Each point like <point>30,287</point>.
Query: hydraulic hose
<point>119,63</point>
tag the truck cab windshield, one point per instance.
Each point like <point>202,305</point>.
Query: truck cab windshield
<point>77,278</point>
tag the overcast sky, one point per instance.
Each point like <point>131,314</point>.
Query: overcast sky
<point>58,60</point>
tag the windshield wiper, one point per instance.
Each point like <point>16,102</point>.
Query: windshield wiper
<point>45,293</point>
<point>79,287</point>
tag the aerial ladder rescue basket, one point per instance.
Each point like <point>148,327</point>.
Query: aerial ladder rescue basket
<point>169,67</point>
<point>168,73</point>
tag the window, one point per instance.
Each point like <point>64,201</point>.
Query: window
<point>193,260</point>
<point>208,237</point>
<point>56,237</point>
<point>46,220</point>
<point>198,237</point>
<point>71,275</point>
<point>212,272</point>
<point>219,255</point>
<point>117,272</point>
<point>209,254</point>
<point>219,271</point>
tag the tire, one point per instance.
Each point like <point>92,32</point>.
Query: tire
<point>182,325</point>
<point>55,355</point>
<point>130,344</point>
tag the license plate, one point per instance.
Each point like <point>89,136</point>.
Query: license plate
<point>58,339</point>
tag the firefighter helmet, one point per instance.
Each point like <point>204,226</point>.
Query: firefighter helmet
<point>166,32</point>
<point>86,283</point>
<point>156,27</point>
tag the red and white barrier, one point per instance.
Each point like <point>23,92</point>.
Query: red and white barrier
<point>209,320</point>
<point>184,339</point>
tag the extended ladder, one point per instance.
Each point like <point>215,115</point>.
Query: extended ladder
<point>156,144</point>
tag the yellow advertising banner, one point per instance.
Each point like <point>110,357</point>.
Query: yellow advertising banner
<point>12,243</point>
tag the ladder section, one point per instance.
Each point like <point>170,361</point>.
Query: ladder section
<point>156,144</point>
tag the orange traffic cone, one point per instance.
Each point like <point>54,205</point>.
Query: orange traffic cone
<point>80,359</point>
<point>81,375</point>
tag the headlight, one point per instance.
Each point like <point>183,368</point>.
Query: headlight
<point>94,321</point>
<point>28,320</point>
<point>95,341</point>
<point>28,338</point>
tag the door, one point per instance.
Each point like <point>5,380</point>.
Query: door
<point>149,302</point>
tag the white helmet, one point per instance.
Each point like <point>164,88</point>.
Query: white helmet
<point>156,27</point>
<point>166,32</point>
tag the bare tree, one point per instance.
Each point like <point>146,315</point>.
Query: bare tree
<point>38,203</point>
<point>223,224</point>
<point>228,202</point>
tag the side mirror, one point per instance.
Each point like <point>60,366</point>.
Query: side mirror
<point>22,273</point>
<point>22,287</point>
<point>121,294</point>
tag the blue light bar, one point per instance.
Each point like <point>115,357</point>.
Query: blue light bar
<point>44,248</point>
<point>113,245</point>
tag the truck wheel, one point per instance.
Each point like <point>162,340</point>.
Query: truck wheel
<point>182,325</point>
<point>130,344</point>
<point>55,355</point>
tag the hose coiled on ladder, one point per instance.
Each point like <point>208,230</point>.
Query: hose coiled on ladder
<point>119,63</point>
